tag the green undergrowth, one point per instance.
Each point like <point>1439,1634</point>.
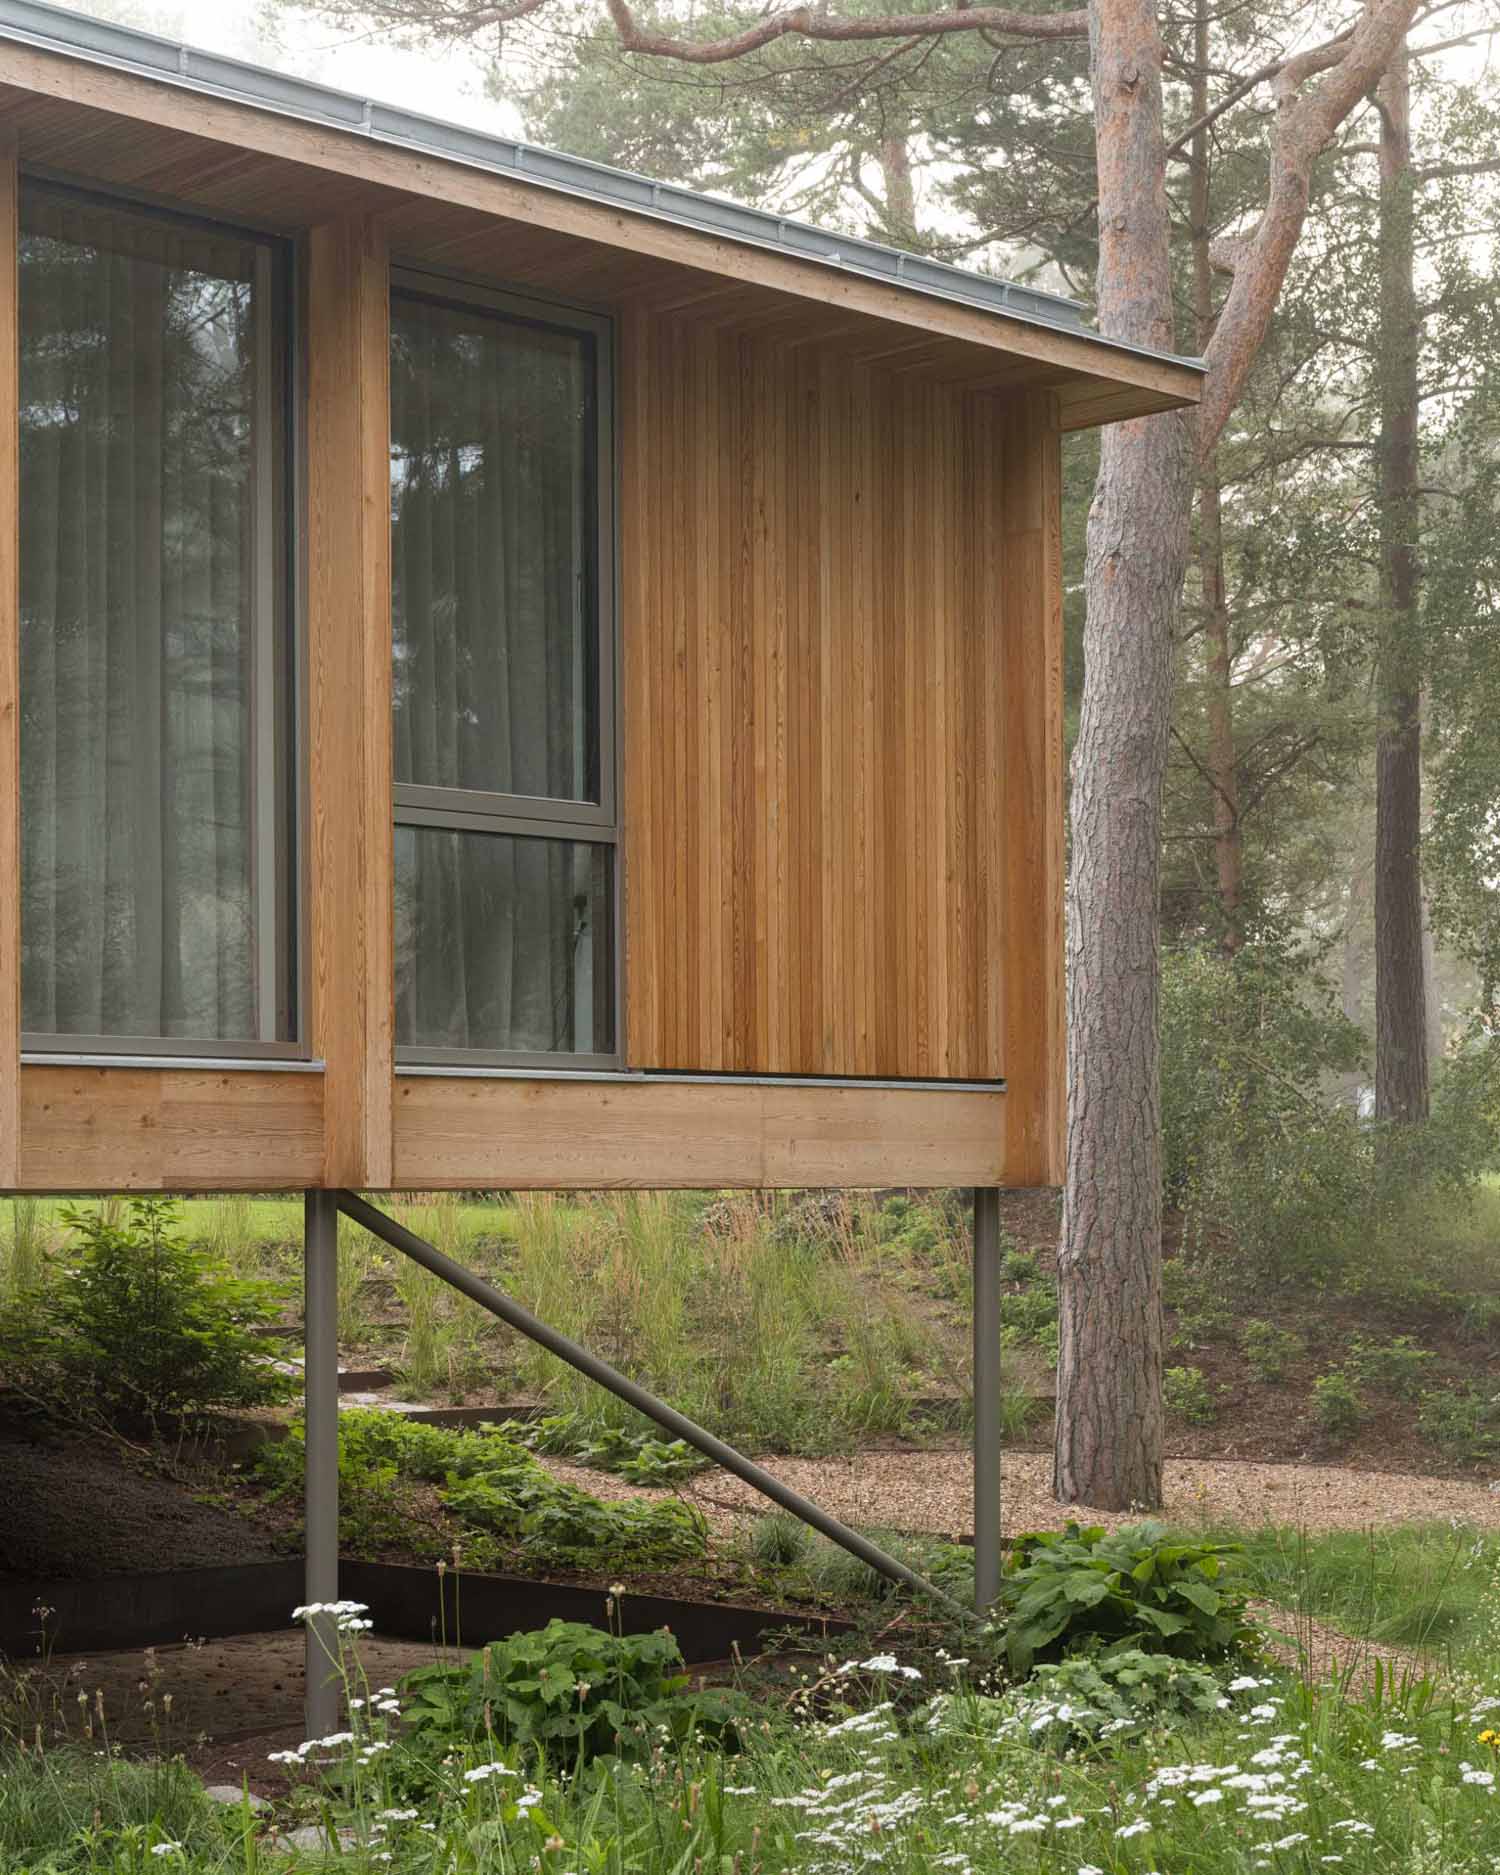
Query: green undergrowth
<point>508,1509</point>
<point>569,1750</point>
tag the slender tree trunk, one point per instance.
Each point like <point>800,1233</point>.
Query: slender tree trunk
<point>900,194</point>
<point>1401,1080</point>
<point>1109,1422</point>
<point>1221,764</point>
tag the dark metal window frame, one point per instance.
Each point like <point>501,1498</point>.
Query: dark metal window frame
<point>279,833</point>
<point>471,810</point>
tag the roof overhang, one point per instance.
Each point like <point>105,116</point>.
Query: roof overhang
<point>113,106</point>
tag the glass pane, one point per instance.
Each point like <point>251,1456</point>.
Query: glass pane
<point>492,543</point>
<point>153,884</point>
<point>502,943</point>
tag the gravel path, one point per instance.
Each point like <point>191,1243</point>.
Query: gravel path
<point>932,1491</point>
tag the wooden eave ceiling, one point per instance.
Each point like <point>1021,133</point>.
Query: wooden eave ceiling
<point>240,162</point>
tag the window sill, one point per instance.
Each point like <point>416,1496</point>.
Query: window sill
<point>201,1064</point>
<point>657,1078</point>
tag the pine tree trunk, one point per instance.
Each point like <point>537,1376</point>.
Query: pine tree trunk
<point>1109,1418</point>
<point>1401,1080</point>
<point>1221,762</point>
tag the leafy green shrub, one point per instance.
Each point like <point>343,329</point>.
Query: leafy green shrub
<point>491,1484</point>
<point>637,1456</point>
<point>139,1323</point>
<point>523,1506</point>
<point>1019,1266</point>
<point>1090,1588</point>
<point>1125,1690</point>
<point>1397,1366</point>
<point>1252,1150</point>
<point>1479,1317</point>
<point>1029,1311</point>
<point>568,1691</point>
<point>1462,1422</point>
<point>1337,1402</point>
<point>1186,1393</point>
<point>1269,1351</point>
<point>1195,1331</point>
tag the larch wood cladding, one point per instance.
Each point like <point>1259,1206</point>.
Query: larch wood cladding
<point>560,1135</point>
<point>841,635</point>
<point>169,1129</point>
<point>10,670</point>
<point>351,1017</point>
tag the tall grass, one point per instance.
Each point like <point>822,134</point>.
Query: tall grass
<point>23,1269</point>
<point>775,1334</point>
<point>448,1340</point>
<point>1430,1587</point>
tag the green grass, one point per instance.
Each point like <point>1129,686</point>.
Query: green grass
<point>1428,1587</point>
<point>870,1771</point>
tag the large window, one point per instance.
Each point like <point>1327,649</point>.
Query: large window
<point>503,680</point>
<point>155,864</point>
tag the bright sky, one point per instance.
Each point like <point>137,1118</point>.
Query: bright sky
<point>440,86</point>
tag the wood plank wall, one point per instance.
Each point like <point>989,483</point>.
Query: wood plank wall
<point>351,1017</point>
<point>842,707</point>
<point>10,670</point>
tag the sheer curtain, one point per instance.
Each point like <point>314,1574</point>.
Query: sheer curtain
<point>149,446</point>
<point>495,683</point>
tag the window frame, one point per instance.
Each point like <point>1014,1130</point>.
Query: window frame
<point>472,810</point>
<point>280,845</point>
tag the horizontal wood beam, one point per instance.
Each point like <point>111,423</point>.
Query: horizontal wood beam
<point>169,1129</point>
<point>581,1135</point>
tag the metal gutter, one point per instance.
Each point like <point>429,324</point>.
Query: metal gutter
<point>56,29</point>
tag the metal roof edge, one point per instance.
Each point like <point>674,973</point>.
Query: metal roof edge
<point>145,54</point>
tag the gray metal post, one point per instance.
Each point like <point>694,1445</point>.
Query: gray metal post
<point>677,1424</point>
<point>321,1479</point>
<point>986,1397</point>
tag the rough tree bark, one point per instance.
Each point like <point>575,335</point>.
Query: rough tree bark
<point>1401,1075</point>
<point>1221,762</point>
<point>1109,1418</point>
<point>1108,1447</point>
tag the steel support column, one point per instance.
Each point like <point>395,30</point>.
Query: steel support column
<point>321,1478</point>
<point>986,1397</point>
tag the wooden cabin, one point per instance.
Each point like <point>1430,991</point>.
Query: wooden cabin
<point>511,674</point>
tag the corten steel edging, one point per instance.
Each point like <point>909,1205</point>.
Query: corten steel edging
<point>407,1602</point>
<point>667,1417</point>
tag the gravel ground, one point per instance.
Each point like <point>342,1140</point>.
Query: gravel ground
<point>932,1491</point>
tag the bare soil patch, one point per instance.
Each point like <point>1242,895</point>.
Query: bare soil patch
<point>79,1509</point>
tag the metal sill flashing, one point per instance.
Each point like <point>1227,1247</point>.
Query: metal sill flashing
<point>199,1064</point>
<point>614,1076</point>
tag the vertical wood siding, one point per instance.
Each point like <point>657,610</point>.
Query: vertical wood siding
<point>842,715</point>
